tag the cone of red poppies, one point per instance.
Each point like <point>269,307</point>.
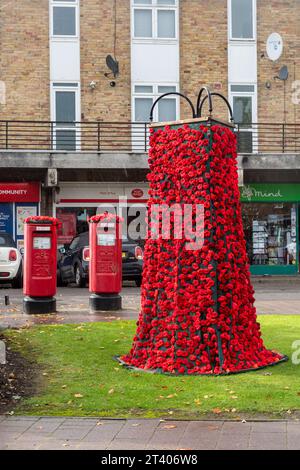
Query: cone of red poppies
<point>198,314</point>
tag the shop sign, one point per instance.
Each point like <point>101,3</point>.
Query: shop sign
<point>137,193</point>
<point>19,192</point>
<point>93,193</point>
<point>270,192</point>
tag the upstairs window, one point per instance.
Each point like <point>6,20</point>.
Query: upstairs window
<point>155,19</point>
<point>144,97</point>
<point>242,19</point>
<point>243,102</point>
<point>64,18</point>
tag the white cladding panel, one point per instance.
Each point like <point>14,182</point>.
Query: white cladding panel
<point>242,63</point>
<point>155,63</point>
<point>65,61</point>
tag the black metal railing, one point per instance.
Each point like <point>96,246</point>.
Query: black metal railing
<point>132,136</point>
<point>268,138</point>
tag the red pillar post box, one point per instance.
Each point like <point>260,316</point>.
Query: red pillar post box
<point>40,264</point>
<point>105,279</point>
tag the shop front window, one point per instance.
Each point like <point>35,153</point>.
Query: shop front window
<point>270,232</point>
<point>74,221</point>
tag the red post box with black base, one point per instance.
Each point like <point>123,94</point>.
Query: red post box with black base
<point>40,264</point>
<point>105,279</point>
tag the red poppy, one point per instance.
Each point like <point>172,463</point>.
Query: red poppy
<point>197,312</point>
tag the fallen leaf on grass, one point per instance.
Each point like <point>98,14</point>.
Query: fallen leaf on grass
<point>217,411</point>
<point>78,395</point>
<point>63,386</point>
<point>111,391</point>
<point>197,401</point>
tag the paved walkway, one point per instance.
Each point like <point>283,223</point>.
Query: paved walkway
<point>279,295</point>
<point>33,433</point>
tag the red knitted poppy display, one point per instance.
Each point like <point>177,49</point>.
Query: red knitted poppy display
<point>198,314</point>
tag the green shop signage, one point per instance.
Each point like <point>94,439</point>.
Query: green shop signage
<point>270,192</point>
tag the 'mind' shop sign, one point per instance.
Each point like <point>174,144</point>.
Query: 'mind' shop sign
<point>270,192</point>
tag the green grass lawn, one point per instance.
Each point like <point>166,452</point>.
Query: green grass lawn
<point>80,378</point>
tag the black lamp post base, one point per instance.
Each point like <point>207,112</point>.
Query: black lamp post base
<point>105,302</point>
<point>39,305</point>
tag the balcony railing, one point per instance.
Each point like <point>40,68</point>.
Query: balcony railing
<point>132,136</point>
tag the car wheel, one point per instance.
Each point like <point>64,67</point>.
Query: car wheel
<point>79,281</point>
<point>60,281</point>
<point>138,282</point>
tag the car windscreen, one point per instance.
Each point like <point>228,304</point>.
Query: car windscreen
<point>84,239</point>
<point>7,240</point>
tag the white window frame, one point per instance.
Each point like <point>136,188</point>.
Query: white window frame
<point>154,95</point>
<point>229,10</point>
<point>253,96</point>
<point>67,88</point>
<point>138,129</point>
<point>61,3</point>
<point>154,7</point>
<point>250,94</point>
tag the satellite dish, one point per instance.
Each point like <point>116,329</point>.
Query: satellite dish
<point>283,73</point>
<point>113,65</point>
<point>274,46</point>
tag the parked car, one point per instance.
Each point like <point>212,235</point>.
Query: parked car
<point>10,261</point>
<point>73,261</point>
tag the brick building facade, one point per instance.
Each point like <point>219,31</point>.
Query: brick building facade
<point>83,136</point>
<point>105,28</point>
